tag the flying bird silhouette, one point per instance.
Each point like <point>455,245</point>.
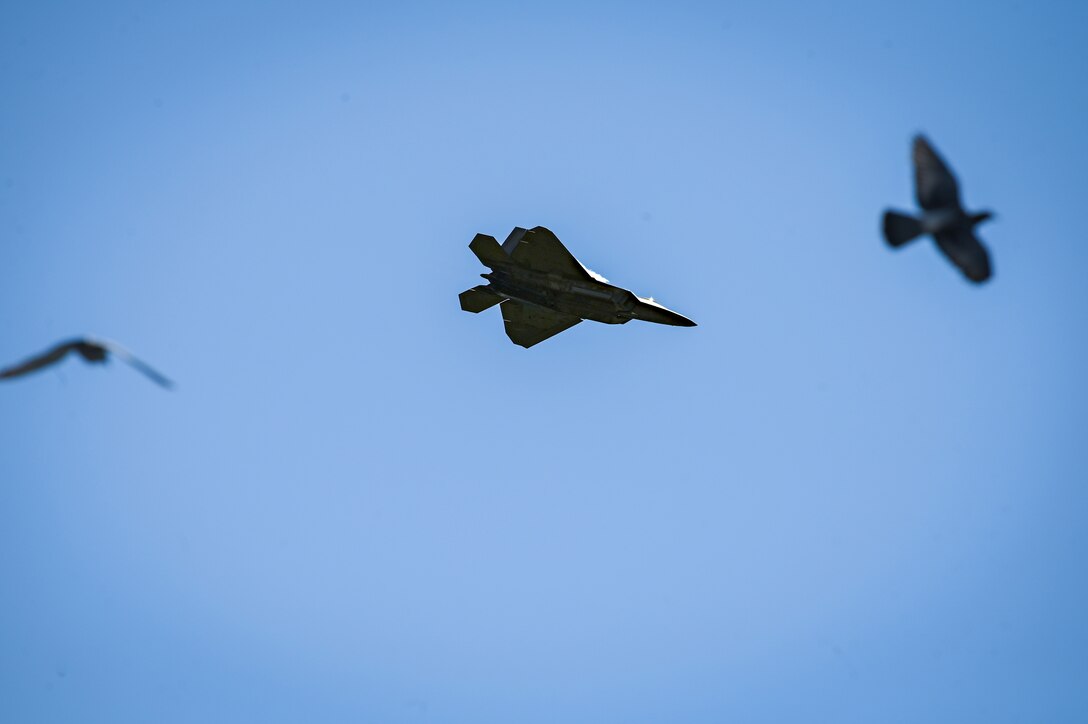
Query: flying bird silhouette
<point>943,216</point>
<point>92,350</point>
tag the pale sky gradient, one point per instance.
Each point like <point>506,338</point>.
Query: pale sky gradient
<point>854,493</point>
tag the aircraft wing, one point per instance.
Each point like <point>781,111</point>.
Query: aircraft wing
<point>540,250</point>
<point>527,324</point>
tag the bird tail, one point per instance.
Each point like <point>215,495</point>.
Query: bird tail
<point>900,228</point>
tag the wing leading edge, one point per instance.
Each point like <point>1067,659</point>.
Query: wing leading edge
<point>540,250</point>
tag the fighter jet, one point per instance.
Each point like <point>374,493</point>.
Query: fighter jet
<point>544,290</point>
<point>952,227</point>
<point>95,351</point>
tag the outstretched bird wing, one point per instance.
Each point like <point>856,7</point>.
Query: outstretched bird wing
<point>964,249</point>
<point>934,184</point>
<point>154,375</point>
<point>51,356</point>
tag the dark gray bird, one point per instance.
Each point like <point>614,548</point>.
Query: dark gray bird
<point>943,215</point>
<point>92,350</point>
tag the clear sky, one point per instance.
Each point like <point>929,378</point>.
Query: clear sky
<point>854,493</point>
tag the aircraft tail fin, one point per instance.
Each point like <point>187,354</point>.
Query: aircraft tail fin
<point>900,228</point>
<point>478,299</point>
<point>488,251</point>
<point>513,240</point>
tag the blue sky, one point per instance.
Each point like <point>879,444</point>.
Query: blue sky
<point>854,493</point>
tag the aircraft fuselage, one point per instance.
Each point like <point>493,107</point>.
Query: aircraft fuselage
<point>586,299</point>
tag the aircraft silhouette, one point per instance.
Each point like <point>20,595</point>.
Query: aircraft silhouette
<point>544,290</point>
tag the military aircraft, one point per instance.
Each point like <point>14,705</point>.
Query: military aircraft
<point>943,215</point>
<point>544,290</point>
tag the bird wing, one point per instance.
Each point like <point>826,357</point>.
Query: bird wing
<point>154,375</point>
<point>934,184</point>
<point>52,356</point>
<point>964,250</point>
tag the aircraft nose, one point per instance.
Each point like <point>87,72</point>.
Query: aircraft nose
<point>679,320</point>
<point>661,315</point>
<point>675,319</point>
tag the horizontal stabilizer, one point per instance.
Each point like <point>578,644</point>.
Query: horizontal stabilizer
<point>478,299</point>
<point>900,228</point>
<point>488,251</point>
